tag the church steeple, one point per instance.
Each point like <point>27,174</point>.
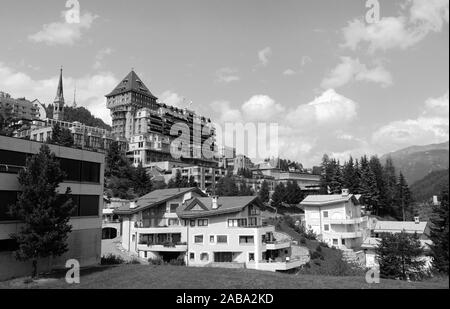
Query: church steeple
<point>58,109</point>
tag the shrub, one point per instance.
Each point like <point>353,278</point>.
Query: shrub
<point>303,240</point>
<point>319,248</point>
<point>134,261</point>
<point>111,259</point>
<point>177,262</point>
<point>156,261</point>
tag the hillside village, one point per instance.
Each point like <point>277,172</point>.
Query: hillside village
<point>135,202</point>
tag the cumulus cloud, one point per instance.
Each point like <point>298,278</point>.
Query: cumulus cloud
<point>350,70</point>
<point>330,108</point>
<point>227,75</point>
<point>62,32</point>
<point>261,108</point>
<point>171,98</point>
<point>400,32</point>
<point>91,89</point>
<point>431,126</point>
<point>264,55</point>
<point>304,132</point>
<point>289,72</point>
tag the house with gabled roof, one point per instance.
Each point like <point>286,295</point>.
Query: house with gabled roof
<point>336,219</point>
<point>204,231</point>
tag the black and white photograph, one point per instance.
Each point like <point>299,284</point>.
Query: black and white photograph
<point>224,150</point>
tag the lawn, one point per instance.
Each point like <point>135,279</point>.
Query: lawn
<point>180,277</point>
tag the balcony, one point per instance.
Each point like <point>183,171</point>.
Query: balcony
<point>346,221</point>
<point>277,265</point>
<point>355,234</point>
<point>163,246</point>
<point>278,244</point>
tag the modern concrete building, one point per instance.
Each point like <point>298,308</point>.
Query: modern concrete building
<point>204,231</point>
<point>84,171</point>
<point>336,219</point>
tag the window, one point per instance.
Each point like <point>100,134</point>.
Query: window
<point>12,158</point>
<point>202,222</point>
<point>7,198</point>
<point>90,172</point>
<point>192,223</point>
<point>72,168</point>
<point>237,222</point>
<point>85,205</point>
<point>343,242</point>
<point>173,208</point>
<point>222,239</point>
<point>326,227</point>
<point>8,245</point>
<point>246,239</point>
<point>173,222</point>
<point>198,239</point>
<point>253,221</point>
<point>325,214</point>
<point>211,239</point>
<point>192,256</point>
<point>335,242</point>
<point>251,256</point>
<point>204,257</point>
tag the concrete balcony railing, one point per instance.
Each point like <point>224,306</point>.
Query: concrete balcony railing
<point>355,234</point>
<point>346,221</point>
<point>277,265</point>
<point>278,244</point>
<point>163,247</point>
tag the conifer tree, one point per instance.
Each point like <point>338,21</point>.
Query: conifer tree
<point>264,192</point>
<point>226,186</point>
<point>390,180</point>
<point>141,181</point>
<point>279,195</point>
<point>399,256</point>
<point>439,233</point>
<point>403,198</point>
<point>44,212</point>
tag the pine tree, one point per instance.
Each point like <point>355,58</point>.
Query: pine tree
<point>439,234</point>
<point>141,181</point>
<point>178,181</point>
<point>348,175</point>
<point>44,212</point>
<point>279,195</point>
<point>226,186</point>
<point>245,190</point>
<point>399,256</point>
<point>402,198</point>
<point>390,180</point>
<point>377,170</point>
<point>192,182</point>
<point>264,192</point>
<point>118,174</point>
<point>368,186</point>
<point>294,194</point>
<point>325,176</point>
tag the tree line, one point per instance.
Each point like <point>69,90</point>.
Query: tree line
<point>385,192</point>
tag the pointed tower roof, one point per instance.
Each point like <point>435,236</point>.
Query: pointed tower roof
<point>60,92</point>
<point>133,83</point>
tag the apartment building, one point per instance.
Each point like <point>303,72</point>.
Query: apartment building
<point>17,109</point>
<point>84,172</point>
<point>84,137</point>
<point>205,177</point>
<point>336,219</point>
<point>204,231</point>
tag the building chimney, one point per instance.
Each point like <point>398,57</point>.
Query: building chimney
<point>215,202</point>
<point>416,220</point>
<point>344,192</point>
<point>435,200</point>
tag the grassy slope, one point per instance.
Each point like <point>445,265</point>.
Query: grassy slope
<point>179,277</point>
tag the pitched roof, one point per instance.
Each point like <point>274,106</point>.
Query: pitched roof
<point>321,200</point>
<point>155,198</point>
<point>398,226</point>
<point>131,82</point>
<point>372,243</point>
<point>227,204</point>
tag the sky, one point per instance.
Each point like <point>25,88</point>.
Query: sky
<point>333,80</point>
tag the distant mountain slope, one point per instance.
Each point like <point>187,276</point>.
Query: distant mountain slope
<point>79,114</point>
<point>432,184</point>
<point>416,162</point>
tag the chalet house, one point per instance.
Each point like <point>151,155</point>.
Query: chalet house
<point>204,231</point>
